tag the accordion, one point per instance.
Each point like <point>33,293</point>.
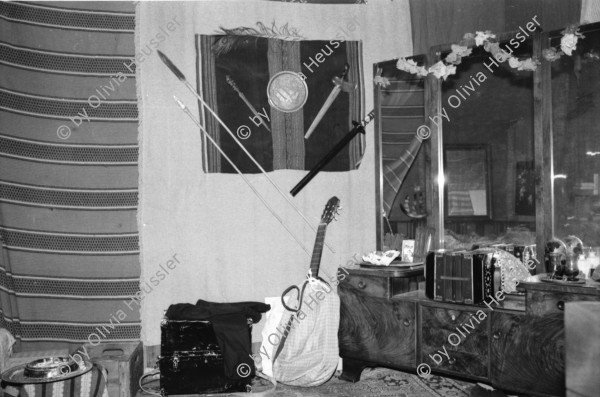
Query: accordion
<point>191,361</point>
<point>461,276</point>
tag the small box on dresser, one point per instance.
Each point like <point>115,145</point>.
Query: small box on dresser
<point>124,363</point>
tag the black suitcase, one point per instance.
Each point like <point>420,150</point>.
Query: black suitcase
<point>191,361</point>
<point>186,335</point>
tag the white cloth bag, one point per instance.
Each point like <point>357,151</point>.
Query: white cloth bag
<point>310,352</point>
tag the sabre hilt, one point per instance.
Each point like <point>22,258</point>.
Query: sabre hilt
<point>368,118</point>
<point>361,126</point>
<point>342,80</point>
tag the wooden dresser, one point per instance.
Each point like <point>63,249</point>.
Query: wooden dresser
<point>517,344</point>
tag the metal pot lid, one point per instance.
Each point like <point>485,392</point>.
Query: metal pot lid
<point>46,370</point>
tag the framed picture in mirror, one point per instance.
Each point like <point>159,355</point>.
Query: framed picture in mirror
<point>525,188</point>
<point>467,181</point>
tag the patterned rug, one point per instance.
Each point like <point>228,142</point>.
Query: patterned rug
<point>376,382</point>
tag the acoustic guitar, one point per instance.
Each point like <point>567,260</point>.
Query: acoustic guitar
<point>329,213</point>
<point>307,354</point>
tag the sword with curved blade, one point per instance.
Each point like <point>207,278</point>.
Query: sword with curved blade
<point>340,84</point>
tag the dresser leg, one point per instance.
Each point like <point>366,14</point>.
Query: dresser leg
<point>352,369</point>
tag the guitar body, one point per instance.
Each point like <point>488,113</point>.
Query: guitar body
<point>310,354</point>
<point>307,353</point>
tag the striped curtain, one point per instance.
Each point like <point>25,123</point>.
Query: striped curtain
<point>68,173</point>
<point>436,22</point>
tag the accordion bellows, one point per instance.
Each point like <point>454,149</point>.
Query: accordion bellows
<point>471,276</point>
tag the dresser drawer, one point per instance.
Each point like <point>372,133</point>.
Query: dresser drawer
<point>527,353</point>
<point>543,303</point>
<point>385,283</point>
<point>456,340</point>
<point>377,330</point>
<point>370,285</point>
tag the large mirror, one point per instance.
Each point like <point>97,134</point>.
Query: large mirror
<point>488,106</point>
<point>575,85</point>
<point>514,152</point>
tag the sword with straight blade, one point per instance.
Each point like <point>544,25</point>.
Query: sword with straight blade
<point>248,104</point>
<point>358,128</point>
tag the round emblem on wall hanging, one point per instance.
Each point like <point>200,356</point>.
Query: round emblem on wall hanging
<point>287,91</point>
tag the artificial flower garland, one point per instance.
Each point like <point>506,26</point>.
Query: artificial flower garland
<point>568,43</point>
<point>447,67</point>
<point>380,80</point>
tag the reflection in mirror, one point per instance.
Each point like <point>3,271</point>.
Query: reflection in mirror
<point>487,103</point>
<point>576,140</point>
<point>402,172</point>
<point>467,181</point>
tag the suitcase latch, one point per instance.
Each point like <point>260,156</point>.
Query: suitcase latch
<point>175,363</point>
<point>210,354</point>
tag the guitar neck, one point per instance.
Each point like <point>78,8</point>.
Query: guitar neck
<point>315,261</point>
